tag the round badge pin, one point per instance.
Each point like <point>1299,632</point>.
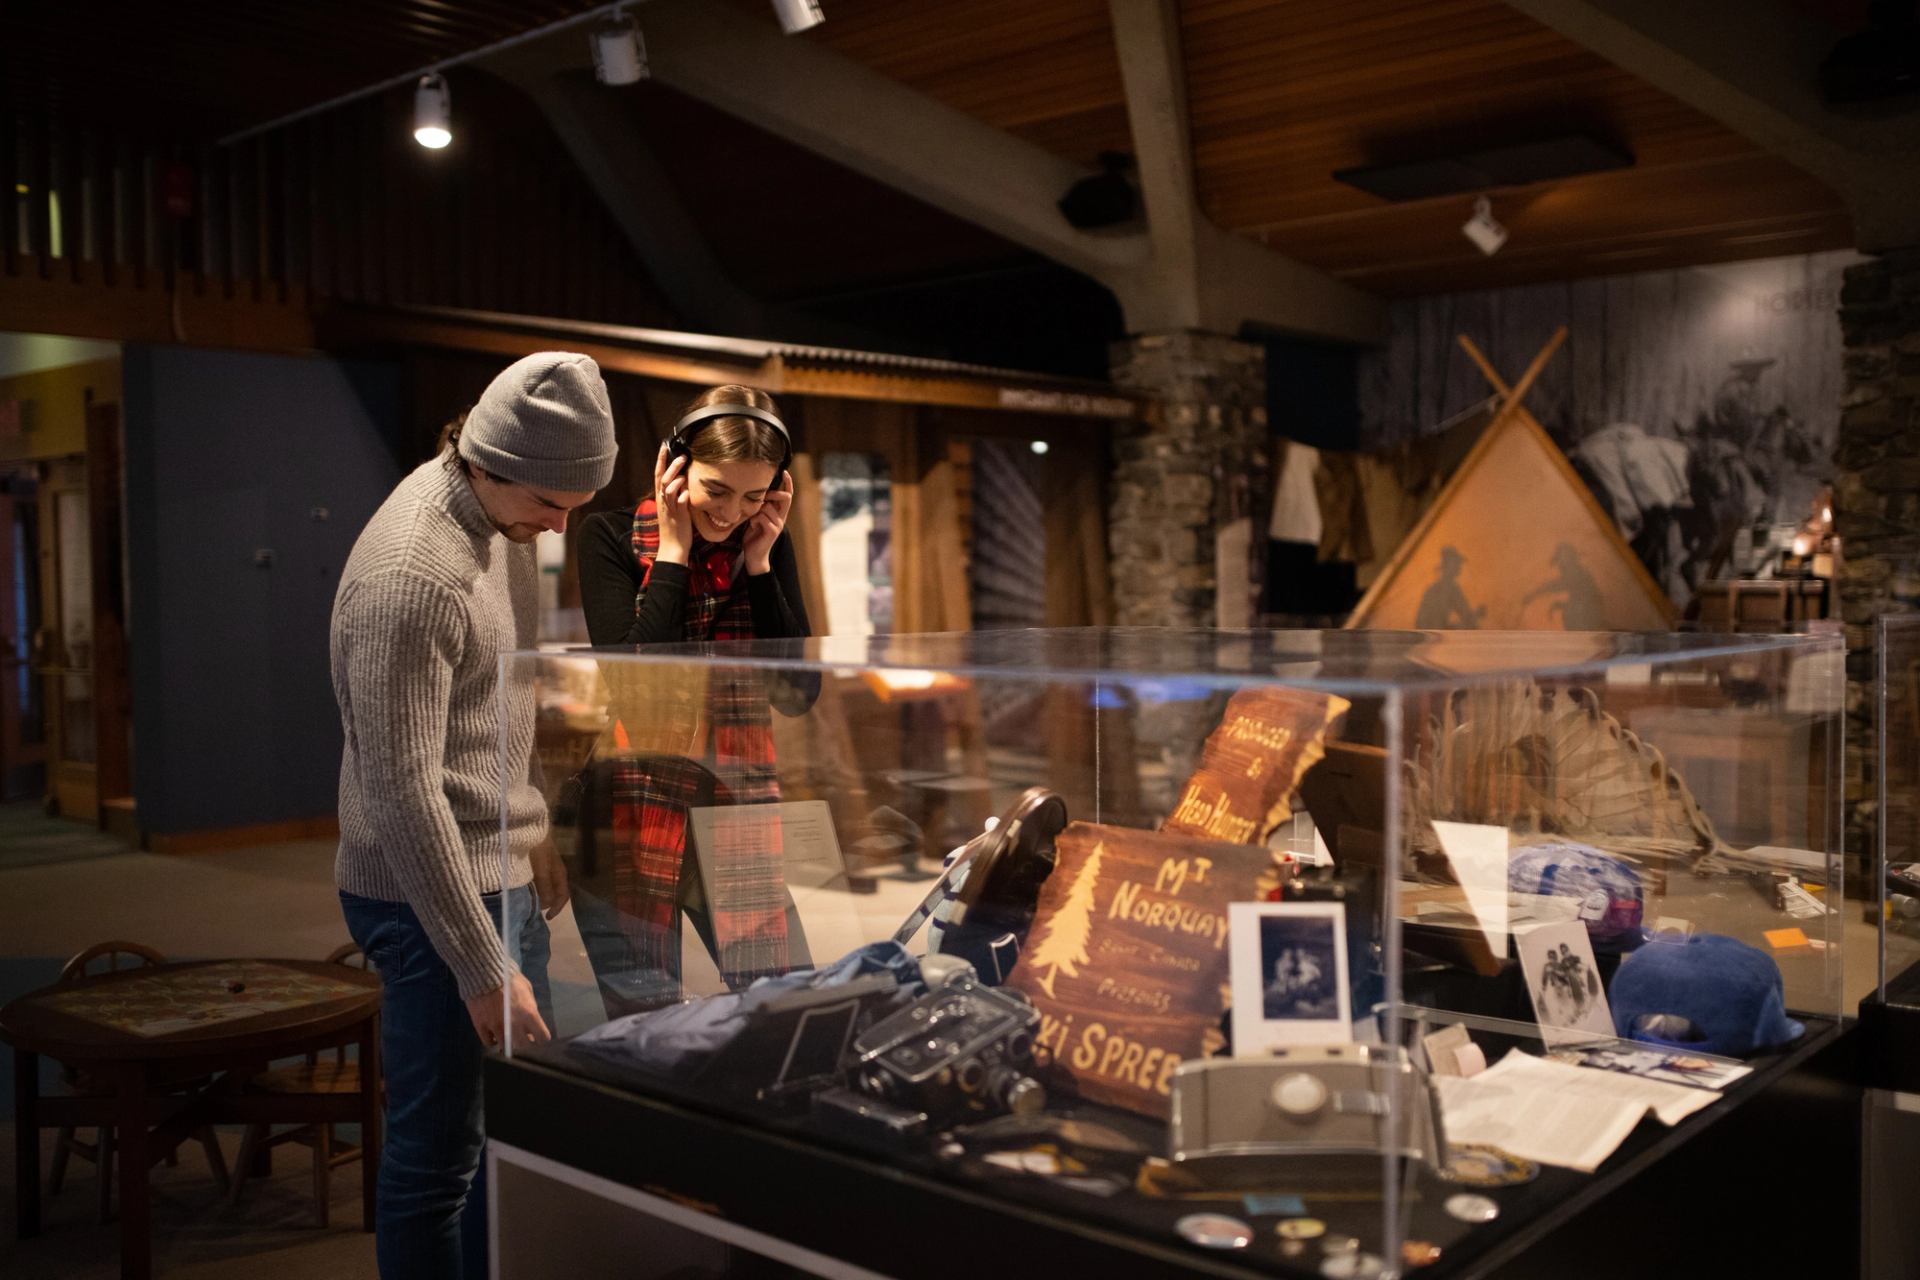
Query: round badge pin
<point>1292,1248</point>
<point>1476,1164</point>
<point>1471,1208</point>
<point>1352,1266</point>
<point>1300,1228</point>
<point>1215,1231</point>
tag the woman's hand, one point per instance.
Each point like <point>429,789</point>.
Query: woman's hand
<point>674,508</point>
<point>765,526</point>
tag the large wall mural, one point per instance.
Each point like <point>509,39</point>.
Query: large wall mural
<point>1694,402</point>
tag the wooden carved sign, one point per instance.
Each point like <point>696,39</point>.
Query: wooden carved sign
<point>1267,740</point>
<point>1127,957</point>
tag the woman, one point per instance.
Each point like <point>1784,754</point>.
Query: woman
<point>707,557</point>
<point>711,540</point>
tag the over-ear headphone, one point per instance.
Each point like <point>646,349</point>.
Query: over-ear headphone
<point>685,429</point>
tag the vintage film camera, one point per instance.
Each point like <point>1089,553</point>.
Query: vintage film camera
<point>1234,1117</point>
<point>963,1049</point>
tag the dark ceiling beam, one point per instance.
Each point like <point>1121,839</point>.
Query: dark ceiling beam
<point>1753,65</point>
<point>833,106</point>
<point>594,123</point>
<point>1199,275</point>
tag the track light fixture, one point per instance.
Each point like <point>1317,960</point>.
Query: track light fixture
<point>619,51</point>
<point>433,125</point>
<point>432,113</point>
<point>1487,235</point>
<point>798,15</point>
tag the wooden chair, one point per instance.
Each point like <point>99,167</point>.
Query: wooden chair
<point>312,1077</point>
<point>100,1151</point>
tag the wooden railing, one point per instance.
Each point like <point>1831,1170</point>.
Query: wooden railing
<point>344,206</point>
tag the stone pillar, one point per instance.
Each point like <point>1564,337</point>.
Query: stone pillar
<point>1192,483</point>
<point>1876,496</point>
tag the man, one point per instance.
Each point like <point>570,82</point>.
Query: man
<point>441,582</point>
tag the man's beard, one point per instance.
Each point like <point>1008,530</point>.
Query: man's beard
<point>521,533</point>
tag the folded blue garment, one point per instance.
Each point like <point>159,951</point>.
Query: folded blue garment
<point>679,1039</point>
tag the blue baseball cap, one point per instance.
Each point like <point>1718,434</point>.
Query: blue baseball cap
<point>1725,995</point>
<point>1608,891</point>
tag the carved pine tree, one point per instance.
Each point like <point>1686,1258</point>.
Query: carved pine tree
<point>1064,948</point>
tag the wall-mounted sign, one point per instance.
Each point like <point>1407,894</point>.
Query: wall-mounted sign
<point>1079,403</point>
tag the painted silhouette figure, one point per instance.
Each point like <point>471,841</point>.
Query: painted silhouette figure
<point>1444,604</point>
<point>1582,608</point>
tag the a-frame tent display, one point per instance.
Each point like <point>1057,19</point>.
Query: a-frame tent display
<point>1515,541</point>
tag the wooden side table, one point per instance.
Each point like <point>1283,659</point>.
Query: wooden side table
<point>142,1028</point>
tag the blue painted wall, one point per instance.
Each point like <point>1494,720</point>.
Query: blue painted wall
<point>228,454</point>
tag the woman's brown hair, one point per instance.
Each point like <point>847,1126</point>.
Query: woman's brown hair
<point>735,439</point>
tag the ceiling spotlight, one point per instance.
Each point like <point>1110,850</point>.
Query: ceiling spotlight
<point>619,52</point>
<point>798,15</point>
<point>1486,234</point>
<point>1039,446</point>
<point>432,113</point>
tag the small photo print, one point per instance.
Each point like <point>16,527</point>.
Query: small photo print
<point>1289,967</point>
<point>1564,981</point>
<point>1298,968</point>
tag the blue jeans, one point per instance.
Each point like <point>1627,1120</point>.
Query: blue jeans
<point>432,1199</point>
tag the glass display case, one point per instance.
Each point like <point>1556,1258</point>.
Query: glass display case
<point>1320,953</point>
<point>1890,1018</point>
<point>1897,793</point>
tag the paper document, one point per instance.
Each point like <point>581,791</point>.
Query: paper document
<point>1574,1117</point>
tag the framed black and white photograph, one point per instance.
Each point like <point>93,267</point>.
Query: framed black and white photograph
<point>1568,997</point>
<point>1289,975</point>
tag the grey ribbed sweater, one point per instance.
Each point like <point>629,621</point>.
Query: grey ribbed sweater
<point>430,598</point>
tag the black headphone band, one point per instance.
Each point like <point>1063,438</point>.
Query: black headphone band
<point>707,413</point>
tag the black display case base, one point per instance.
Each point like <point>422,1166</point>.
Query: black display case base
<point>1765,1182</point>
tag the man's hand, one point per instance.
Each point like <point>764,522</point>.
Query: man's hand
<point>765,526</point>
<point>673,506</point>
<point>490,1022</point>
<point>549,878</point>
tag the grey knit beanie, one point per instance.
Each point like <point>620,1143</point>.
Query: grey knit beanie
<point>545,421</point>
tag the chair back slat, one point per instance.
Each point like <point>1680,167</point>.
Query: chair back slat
<point>82,965</point>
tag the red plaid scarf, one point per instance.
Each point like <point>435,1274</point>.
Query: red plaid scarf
<point>746,884</point>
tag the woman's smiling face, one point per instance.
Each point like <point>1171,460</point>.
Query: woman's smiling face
<point>725,495</point>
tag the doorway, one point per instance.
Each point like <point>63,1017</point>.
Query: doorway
<point>23,719</point>
<point>65,713</point>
